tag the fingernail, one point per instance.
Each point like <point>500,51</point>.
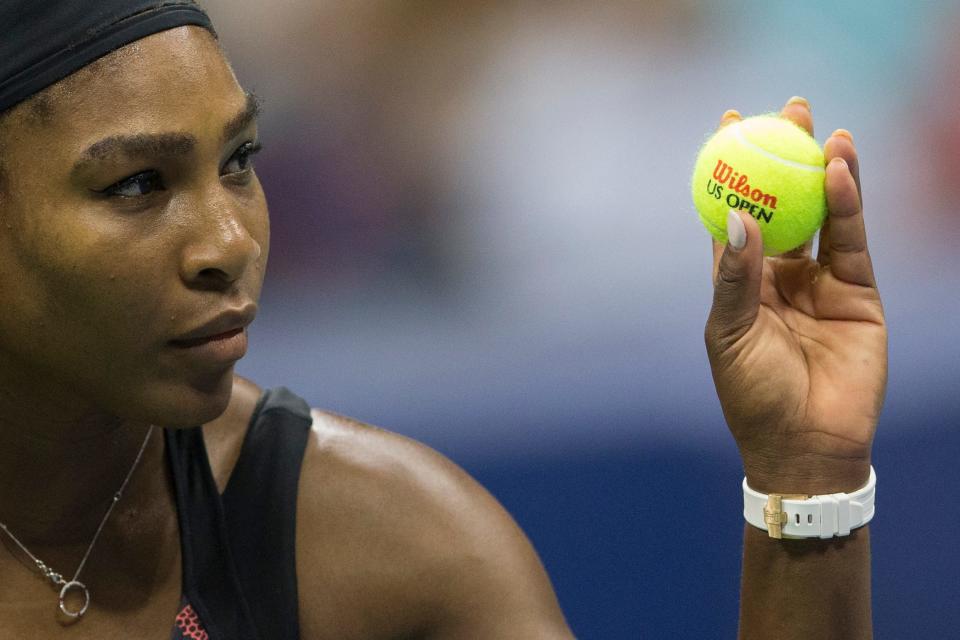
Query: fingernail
<point>800,101</point>
<point>736,232</point>
<point>730,113</point>
<point>840,161</point>
<point>843,133</point>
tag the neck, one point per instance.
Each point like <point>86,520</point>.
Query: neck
<point>62,459</point>
<point>61,462</point>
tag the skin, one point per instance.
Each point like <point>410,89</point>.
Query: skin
<point>798,349</point>
<point>84,360</point>
<point>802,343</point>
<point>393,540</point>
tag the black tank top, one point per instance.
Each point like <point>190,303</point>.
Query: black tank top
<point>238,548</point>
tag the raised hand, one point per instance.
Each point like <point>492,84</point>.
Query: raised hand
<point>798,347</point>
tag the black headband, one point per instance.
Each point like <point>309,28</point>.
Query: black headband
<point>44,41</point>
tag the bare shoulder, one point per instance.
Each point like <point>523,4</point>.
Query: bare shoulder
<point>395,540</point>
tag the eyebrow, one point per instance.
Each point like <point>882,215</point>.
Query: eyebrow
<point>242,120</point>
<point>153,145</point>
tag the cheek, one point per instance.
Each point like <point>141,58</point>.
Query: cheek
<point>260,220</point>
<point>257,223</point>
<point>71,295</point>
<point>91,301</point>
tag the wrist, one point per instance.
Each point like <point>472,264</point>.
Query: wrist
<point>806,474</point>
<point>815,514</point>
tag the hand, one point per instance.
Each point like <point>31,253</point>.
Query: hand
<point>798,347</point>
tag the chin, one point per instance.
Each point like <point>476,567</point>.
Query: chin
<point>188,403</point>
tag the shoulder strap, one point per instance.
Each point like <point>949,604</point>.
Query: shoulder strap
<point>209,578</point>
<point>260,507</point>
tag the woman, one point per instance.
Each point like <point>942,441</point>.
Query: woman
<point>132,253</point>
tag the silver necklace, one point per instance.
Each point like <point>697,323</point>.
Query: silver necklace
<point>74,583</point>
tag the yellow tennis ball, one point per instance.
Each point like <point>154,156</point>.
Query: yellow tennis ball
<point>770,168</point>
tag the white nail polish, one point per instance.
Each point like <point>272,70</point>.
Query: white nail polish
<point>736,232</point>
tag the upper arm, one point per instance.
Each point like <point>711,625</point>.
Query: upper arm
<point>394,540</point>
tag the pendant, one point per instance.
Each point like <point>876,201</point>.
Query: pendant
<point>74,584</point>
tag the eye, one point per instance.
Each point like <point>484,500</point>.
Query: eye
<point>242,159</point>
<point>141,184</point>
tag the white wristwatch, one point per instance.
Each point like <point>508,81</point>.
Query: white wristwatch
<point>800,516</point>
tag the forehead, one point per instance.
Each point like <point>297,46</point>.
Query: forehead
<point>173,80</point>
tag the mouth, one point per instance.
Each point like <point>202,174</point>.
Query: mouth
<point>220,341</point>
<point>216,350</point>
<point>196,342</point>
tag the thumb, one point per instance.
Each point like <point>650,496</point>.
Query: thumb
<point>736,285</point>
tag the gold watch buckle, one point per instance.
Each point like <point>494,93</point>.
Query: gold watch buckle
<point>773,514</point>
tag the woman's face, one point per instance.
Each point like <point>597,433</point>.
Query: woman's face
<point>130,216</point>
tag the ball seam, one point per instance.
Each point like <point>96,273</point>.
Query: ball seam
<point>738,134</point>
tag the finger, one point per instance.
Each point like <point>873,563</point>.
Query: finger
<point>839,145</point>
<point>736,288</point>
<point>729,116</point>
<point>823,254</point>
<point>717,254</point>
<point>848,258</point>
<point>797,110</point>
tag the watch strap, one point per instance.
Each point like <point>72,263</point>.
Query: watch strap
<point>824,516</point>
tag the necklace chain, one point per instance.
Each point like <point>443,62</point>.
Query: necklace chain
<point>74,584</point>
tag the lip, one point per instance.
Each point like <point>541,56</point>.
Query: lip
<point>225,348</point>
<point>224,323</point>
<point>222,340</point>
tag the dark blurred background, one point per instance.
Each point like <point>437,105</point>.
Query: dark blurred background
<point>483,239</point>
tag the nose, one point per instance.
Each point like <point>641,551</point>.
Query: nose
<point>221,248</point>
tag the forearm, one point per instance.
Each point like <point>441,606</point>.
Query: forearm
<point>806,588</point>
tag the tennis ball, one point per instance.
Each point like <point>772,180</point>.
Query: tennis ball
<point>770,168</point>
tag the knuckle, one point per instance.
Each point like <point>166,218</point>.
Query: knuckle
<point>848,246</point>
<point>713,338</point>
<point>723,333</point>
<point>710,329</point>
<point>728,275</point>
